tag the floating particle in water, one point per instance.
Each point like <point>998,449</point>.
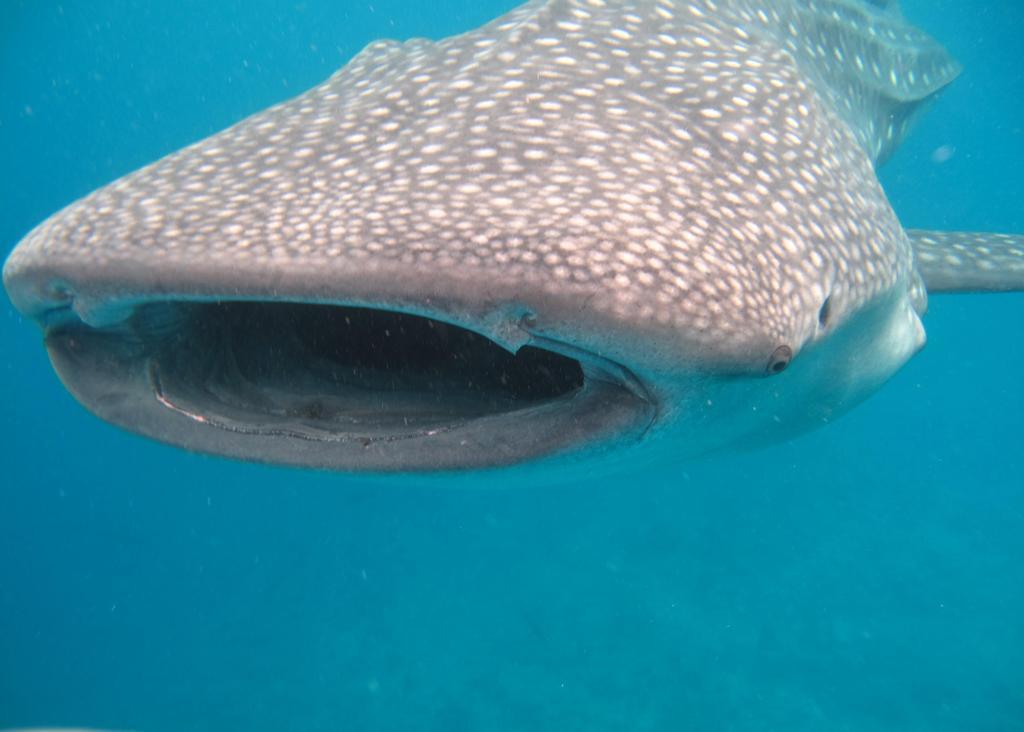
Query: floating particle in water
<point>943,154</point>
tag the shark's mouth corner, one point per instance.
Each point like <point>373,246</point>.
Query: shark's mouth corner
<point>350,388</point>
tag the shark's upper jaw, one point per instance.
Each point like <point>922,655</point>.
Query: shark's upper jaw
<point>340,387</point>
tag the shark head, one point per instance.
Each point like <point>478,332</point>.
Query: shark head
<point>582,230</point>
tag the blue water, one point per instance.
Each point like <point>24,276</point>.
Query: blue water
<point>869,576</point>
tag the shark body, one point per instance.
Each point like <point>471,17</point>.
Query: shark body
<point>583,231</point>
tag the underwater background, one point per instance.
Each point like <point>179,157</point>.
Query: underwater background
<point>867,576</point>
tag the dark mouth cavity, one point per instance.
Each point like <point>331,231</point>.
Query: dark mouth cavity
<point>325,371</point>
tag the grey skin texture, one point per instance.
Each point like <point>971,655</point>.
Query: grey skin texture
<point>679,196</point>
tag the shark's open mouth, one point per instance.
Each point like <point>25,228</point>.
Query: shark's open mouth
<point>343,387</point>
<point>318,370</point>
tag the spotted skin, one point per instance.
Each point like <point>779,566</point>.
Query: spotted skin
<point>671,165</point>
<point>953,261</point>
<point>675,186</point>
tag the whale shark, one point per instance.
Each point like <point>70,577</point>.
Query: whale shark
<point>582,234</point>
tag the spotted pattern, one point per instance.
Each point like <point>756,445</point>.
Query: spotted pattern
<point>874,68</point>
<point>951,261</point>
<point>675,180</point>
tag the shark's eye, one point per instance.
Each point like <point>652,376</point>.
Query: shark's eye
<point>825,312</point>
<point>780,359</point>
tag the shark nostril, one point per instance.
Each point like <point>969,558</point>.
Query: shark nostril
<point>780,359</point>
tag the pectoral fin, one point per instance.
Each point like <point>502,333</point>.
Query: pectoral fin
<point>954,261</point>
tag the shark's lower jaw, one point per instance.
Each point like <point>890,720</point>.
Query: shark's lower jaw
<point>340,387</point>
